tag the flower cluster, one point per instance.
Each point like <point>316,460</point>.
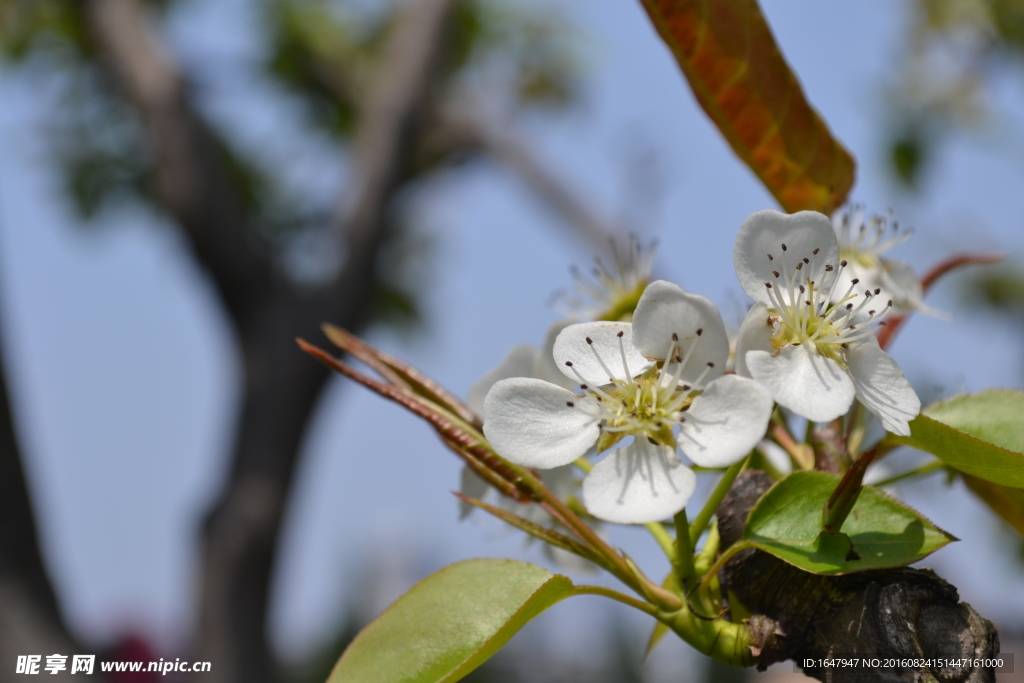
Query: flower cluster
<point>808,344</point>
<point>809,339</point>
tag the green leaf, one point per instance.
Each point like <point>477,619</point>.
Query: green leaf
<point>879,532</point>
<point>981,434</point>
<point>740,78</point>
<point>450,623</point>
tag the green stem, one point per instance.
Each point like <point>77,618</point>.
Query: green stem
<point>923,469</point>
<point>725,641</point>
<point>617,596</point>
<point>684,550</point>
<point>583,464</point>
<point>723,558</point>
<point>708,511</point>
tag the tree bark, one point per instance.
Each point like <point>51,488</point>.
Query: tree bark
<point>900,613</point>
<point>281,385</point>
<point>30,619</point>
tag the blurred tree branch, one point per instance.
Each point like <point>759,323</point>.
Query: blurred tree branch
<point>281,387</point>
<point>388,91</point>
<point>30,619</point>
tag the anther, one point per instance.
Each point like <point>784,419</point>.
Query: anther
<point>570,404</point>
<point>878,291</point>
<point>807,302</point>
<point>768,285</point>
<point>849,306</point>
<point>783,246</point>
<point>589,340</point>
<point>890,303</point>
<point>855,280</point>
<point>685,387</point>
<point>871,312</point>
<point>775,273</point>
<point>806,260</point>
<point>700,331</point>
<point>711,365</point>
<point>842,263</point>
<point>799,266</point>
<point>770,257</point>
<point>679,359</point>
<point>675,337</point>
<point>829,269</point>
<point>815,252</point>
<point>802,290</point>
<point>682,419</point>
<point>568,363</point>
<point>584,386</point>
<point>621,332</point>
<point>882,322</point>
<point>867,293</point>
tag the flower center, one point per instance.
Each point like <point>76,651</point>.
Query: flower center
<point>804,313</point>
<point>864,241</point>
<point>611,292</point>
<point>649,405</point>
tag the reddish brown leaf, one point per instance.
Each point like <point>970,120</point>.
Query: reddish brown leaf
<point>742,81</point>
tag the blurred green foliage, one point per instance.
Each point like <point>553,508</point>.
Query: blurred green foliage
<point>954,51</point>
<point>322,54</point>
<point>1001,290</point>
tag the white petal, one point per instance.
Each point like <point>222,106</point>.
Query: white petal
<point>470,485</point>
<point>665,309</point>
<point>600,361</point>
<point>755,335</point>
<point>725,422</point>
<point>804,381</point>
<point>882,388</point>
<point>637,484</point>
<point>530,422</point>
<point>521,361</point>
<point>776,456</point>
<point>765,232</point>
<point>907,293</point>
<point>546,369</point>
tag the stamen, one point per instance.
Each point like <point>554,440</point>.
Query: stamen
<point>611,376</point>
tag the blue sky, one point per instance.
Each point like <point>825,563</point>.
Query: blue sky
<point>123,373</point>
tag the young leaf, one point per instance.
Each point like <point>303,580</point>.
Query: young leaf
<point>879,532</point>
<point>980,434</point>
<point>742,81</point>
<point>450,623</point>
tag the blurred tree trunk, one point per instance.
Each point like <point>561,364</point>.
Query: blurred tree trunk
<point>281,385</point>
<point>30,620</point>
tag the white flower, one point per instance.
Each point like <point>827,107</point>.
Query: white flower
<point>658,379</point>
<point>526,361</point>
<point>811,344</point>
<point>610,292</point>
<point>523,360</point>
<point>862,242</point>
